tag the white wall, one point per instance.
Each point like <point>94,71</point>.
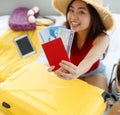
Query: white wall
<point>113,4</point>
<point>7,6</point>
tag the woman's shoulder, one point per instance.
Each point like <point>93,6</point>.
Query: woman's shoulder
<point>102,37</point>
<point>103,34</point>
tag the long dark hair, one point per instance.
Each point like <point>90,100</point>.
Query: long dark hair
<point>118,72</point>
<point>97,25</point>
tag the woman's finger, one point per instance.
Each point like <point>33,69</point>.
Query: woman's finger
<point>64,75</point>
<point>70,69</point>
<point>51,68</point>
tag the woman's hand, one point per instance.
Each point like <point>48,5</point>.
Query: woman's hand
<point>51,68</point>
<point>67,70</point>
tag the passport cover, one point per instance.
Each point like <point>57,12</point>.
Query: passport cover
<point>55,52</point>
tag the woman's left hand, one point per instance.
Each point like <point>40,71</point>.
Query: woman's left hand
<point>67,70</point>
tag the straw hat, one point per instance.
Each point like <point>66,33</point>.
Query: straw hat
<point>106,16</point>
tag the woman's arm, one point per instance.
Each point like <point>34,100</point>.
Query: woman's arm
<point>71,71</point>
<point>99,47</point>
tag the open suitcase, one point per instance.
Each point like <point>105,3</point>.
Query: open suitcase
<point>34,91</point>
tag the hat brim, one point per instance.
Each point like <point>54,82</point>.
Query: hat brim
<point>105,14</point>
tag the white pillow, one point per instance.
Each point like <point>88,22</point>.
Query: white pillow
<point>3,23</point>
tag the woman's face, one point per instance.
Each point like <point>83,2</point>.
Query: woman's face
<point>78,16</point>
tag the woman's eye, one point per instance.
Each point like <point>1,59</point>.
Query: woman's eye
<point>71,10</point>
<point>81,12</point>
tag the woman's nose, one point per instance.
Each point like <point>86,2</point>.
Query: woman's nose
<point>74,16</point>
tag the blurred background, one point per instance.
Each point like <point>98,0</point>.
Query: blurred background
<point>7,6</point>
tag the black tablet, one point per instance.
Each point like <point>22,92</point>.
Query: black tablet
<point>24,46</point>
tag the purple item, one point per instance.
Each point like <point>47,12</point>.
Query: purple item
<point>19,20</point>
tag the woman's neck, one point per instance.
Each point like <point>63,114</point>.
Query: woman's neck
<point>81,38</point>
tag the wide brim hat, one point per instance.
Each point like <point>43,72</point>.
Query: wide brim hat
<point>104,13</point>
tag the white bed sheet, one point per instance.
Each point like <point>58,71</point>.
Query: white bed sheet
<point>3,24</point>
<point>113,54</point>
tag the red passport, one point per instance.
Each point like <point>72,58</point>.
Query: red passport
<point>55,52</point>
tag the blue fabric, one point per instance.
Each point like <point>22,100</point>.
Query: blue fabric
<point>100,70</point>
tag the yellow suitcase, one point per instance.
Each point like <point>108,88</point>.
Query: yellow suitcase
<point>34,91</point>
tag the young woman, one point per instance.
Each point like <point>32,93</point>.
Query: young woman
<point>90,21</point>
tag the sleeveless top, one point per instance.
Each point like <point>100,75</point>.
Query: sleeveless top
<point>77,55</point>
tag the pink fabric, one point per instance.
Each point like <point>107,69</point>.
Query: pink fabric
<point>19,20</point>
